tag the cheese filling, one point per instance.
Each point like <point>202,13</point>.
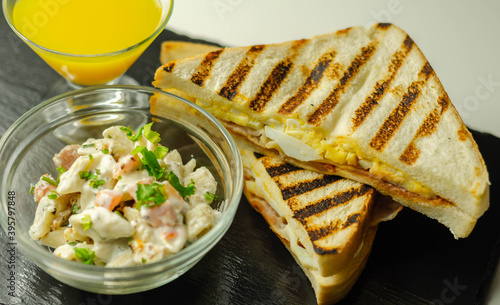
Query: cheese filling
<point>291,138</point>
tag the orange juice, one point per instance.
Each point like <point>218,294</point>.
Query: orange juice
<point>83,29</point>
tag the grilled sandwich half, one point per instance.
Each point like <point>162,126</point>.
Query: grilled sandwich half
<point>361,103</point>
<point>328,223</point>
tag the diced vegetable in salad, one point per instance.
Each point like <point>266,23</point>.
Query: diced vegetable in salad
<point>122,200</point>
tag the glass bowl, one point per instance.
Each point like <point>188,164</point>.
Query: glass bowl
<point>26,152</point>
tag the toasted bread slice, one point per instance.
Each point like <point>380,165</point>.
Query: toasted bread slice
<point>328,223</point>
<point>360,103</point>
<point>173,50</point>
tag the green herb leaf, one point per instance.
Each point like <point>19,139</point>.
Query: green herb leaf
<point>210,196</point>
<point>138,135</point>
<point>84,175</point>
<point>61,171</point>
<point>72,243</point>
<point>184,191</point>
<point>138,149</point>
<point>86,222</point>
<point>85,255</point>
<point>130,134</point>
<point>151,135</point>
<point>75,209</point>
<point>88,145</point>
<point>150,194</point>
<point>160,152</point>
<point>96,183</point>
<point>48,180</point>
<point>53,195</point>
<point>127,130</point>
<point>105,151</point>
<point>93,177</point>
<point>152,165</point>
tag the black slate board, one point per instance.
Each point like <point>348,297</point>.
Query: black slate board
<point>414,260</point>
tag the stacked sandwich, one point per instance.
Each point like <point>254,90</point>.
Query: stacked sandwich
<point>337,133</point>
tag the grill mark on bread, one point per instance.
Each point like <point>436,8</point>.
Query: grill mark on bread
<point>309,85</point>
<point>463,133</point>
<point>328,203</point>
<point>428,127</point>
<point>205,67</point>
<point>278,169</point>
<point>323,232</point>
<point>344,31</point>
<point>303,187</point>
<point>395,119</point>
<point>383,26</point>
<point>319,233</point>
<point>258,155</point>
<point>397,59</point>
<point>331,100</point>
<point>169,67</point>
<point>238,76</point>
<point>275,78</point>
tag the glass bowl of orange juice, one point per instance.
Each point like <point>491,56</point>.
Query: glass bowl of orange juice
<point>88,42</point>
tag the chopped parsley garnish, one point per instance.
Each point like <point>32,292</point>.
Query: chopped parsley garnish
<point>150,194</point>
<point>93,177</point>
<point>184,191</point>
<point>130,134</point>
<point>75,209</point>
<point>150,163</point>
<point>86,222</point>
<point>88,145</point>
<point>152,136</point>
<point>127,130</point>
<point>137,150</point>
<point>85,255</point>
<point>210,196</point>
<point>105,151</point>
<point>72,243</point>
<point>61,170</point>
<point>160,152</point>
<point>96,183</point>
<point>144,260</point>
<point>53,195</point>
<point>85,175</point>
<point>48,180</point>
